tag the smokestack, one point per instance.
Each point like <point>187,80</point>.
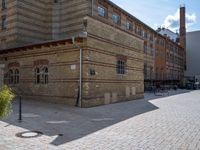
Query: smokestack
<point>183,33</point>
<point>182,27</point>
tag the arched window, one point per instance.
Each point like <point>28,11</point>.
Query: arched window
<point>37,75</point>
<point>45,75</point>
<point>11,77</point>
<point>16,76</point>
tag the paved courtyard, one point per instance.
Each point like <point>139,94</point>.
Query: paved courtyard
<point>156,122</point>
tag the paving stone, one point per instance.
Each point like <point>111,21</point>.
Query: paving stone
<point>152,123</point>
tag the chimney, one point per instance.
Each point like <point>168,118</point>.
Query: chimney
<point>183,33</point>
<point>182,27</point>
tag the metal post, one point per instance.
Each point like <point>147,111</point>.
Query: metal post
<point>80,80</point>
<point>20,109</point>
<point>92,7</point>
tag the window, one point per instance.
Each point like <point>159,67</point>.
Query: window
<point>121,67</point>
<point>146,35</point>
<point>41,75</point>
<point>16,76</point>
<point>3,23</point>
<point>129,25</point>
<point>138,30</point>
<point>145,48</point>
<point>116,18</point>
<point>11,76</point>
<point>145,70</point>
<point>151,37</point>
<point>102,11</point>
<point>37,75</point>
<point>3,4</point>
<point>151,72</point>
<point>92,72</point>
<point>45,75</point>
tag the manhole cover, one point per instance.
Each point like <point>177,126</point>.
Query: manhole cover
<point>29,134</point>
<point>60,134</point>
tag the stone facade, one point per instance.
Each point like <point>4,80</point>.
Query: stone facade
<point>42,62</point>
<point>61,58</point>
<point>30,21</point>
<point>101,50</point>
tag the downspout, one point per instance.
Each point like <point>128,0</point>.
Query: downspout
<point>80,77</point>
<point>80,73</point>
<point>92,7</point>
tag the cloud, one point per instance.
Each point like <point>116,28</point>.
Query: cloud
<point>172,21</point>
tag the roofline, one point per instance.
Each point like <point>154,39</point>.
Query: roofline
<point>194,31</point>
<point>155,32</point>
<point>118,7</point>
<point>45,43</point>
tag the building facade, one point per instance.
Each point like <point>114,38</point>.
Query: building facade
<point>85,52</point>
<point>193,55</point>
<point>29,21</point>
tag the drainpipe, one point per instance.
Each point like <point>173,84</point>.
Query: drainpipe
<point>80,72</point>
<point>92,7</point>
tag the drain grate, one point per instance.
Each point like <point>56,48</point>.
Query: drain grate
<point>60,134</point>
<point>29,134</point>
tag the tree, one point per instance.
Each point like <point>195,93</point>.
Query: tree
<point>6,96</point>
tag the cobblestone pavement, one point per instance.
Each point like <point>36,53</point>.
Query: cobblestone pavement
<point>171,122</point>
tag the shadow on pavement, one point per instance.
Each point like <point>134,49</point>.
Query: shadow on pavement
<point>66,124</point>
<point>70,123</point>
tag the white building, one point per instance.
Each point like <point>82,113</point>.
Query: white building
<point>193,55</point>
<point>170,34</point>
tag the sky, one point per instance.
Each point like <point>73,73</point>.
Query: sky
<point>163,13</point>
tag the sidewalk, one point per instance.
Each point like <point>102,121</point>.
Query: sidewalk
<point>151,123</point>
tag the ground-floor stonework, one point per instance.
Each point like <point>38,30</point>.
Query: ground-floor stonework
<point>112,68</point>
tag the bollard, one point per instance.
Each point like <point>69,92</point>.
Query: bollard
<point>20,109</point>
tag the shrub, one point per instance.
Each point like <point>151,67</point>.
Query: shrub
<point>6,96</point>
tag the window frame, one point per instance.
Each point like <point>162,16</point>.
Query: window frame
<point>3,22</point>
<point>116,18</point>
<point>121,67</point>
<point>45,75</point>
<point>37,75</point>
<point>129,25</point>
<point>103,13</point>
<point>3,4</point>
<point>41,75</point>
<point>16,76</point>
<point>11,76</point>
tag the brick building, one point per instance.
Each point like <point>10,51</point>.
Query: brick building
<point>89,52</point>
